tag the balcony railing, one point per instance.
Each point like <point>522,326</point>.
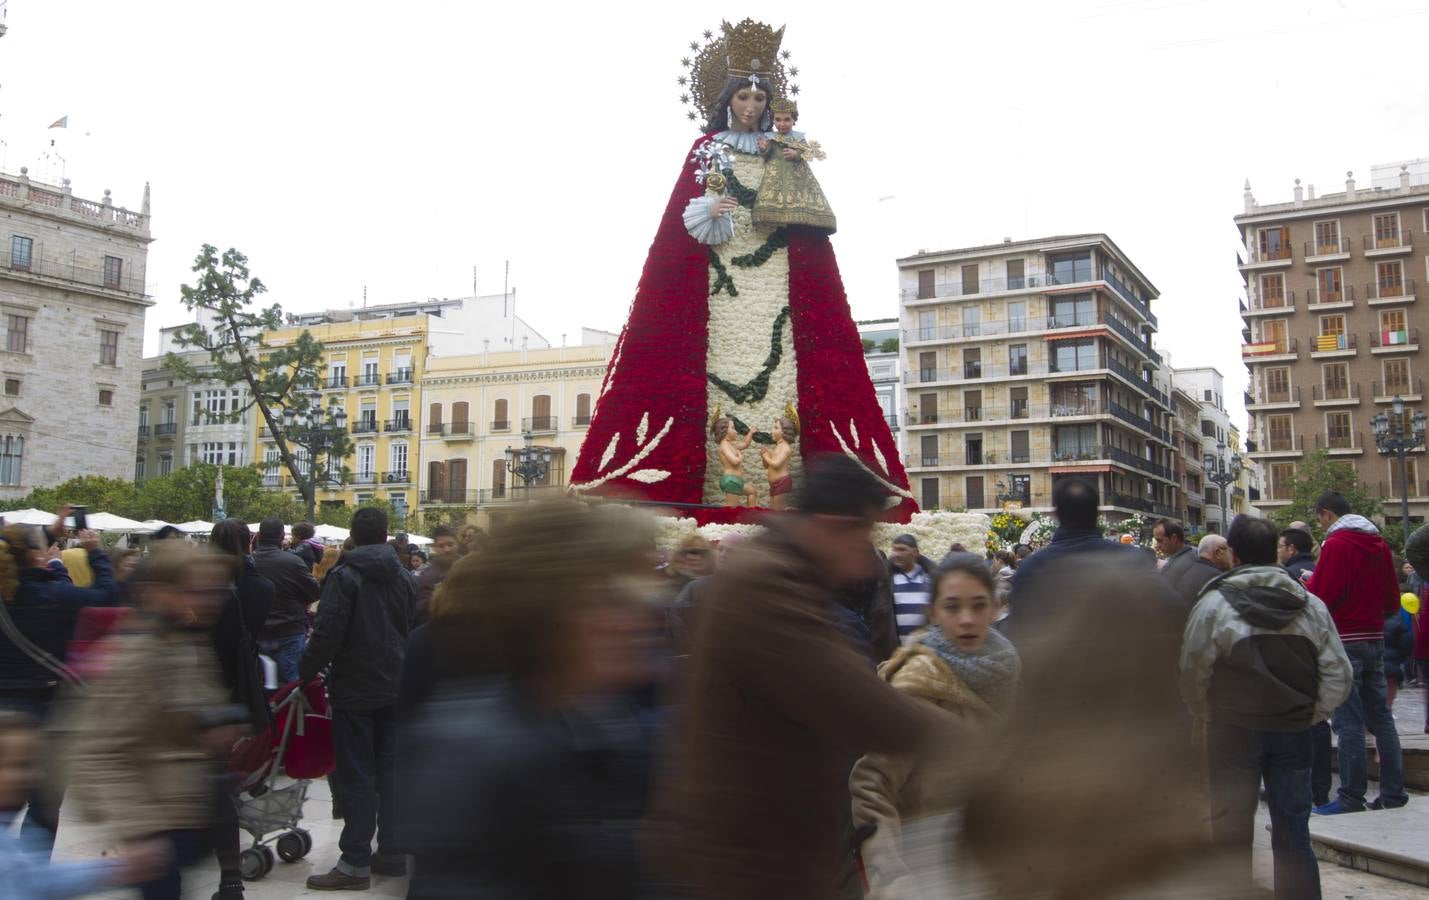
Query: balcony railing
<point>1139,421</point>
<point>1079,453</point>
<point>364,426</point>
<point>401,423</point>
<point>455,430</point>
<point>984,286</point>
<point>1340,441</point>
<point>1391,489</point>
<point>40,266</point>
<point>1391,292</point>
<point>1062,410</point>
<point>1343,392</point>
<point>1285,347</point>
<point>166,429</point>
<point>1335,342</point>
<point>584,421</point>
<point>363,478</point>
<point>1289,395</point>
<point>143,431</point>
<point>970,372</point>
<point>1318,297</point>
<point>1133,337</point>
<point>1382,392</point>
<point>367,379</point>
<point>400,376</point>
<point>454,497</point>
<point>1404,338</point>
<point>1404,240</point>
<point>1282,443</point>
<point>539,423</point>
<point>1284,302</point>
<point>501,425</point>
<point>335,382</point>
<point>1255,254</point>
<point>1116,454</point>
<point>1327,248</point>
<point>1143,306</point>
<point>990,328</point>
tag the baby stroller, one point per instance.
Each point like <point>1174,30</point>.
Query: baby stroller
<point>270,772</point>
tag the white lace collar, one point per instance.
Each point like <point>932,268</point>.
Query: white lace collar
<point>743,141</point>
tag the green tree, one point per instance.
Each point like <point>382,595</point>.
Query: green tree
<point>889,345</point>
<point>230,327</point>
<point>1316,475</point>
<point>187,494</point>
<point>340,515</point>
<point>99,494</point>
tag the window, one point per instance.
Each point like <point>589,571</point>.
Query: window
<point>1277,385</point>
<point>972,406</point>
<point>12,387</point>
<point>975,495</point>
<point>1331,284</point>
<point>1076,310</point>
<point>1019,488</point>
<point>138,468</point>
<point>1016,316</point>
<point>1390,278</point>
<point>219,453</point>
<point>928,366</point>
<point>106,397</point>
<point>366,462</point>
<point>970,279</point>
<point>456,477</point>
<point>1019,448</point>
<point>166,464</point>
<point>272,462</point>
<point>1327,238</point>
<point>12,451</point>
<point>1272,291</point>
<point>927,408</point>
<point>972,449</point>
<point>17,333</point>
<point>1017,359</point>
<point>434,418</point>
<point>108,347</point>
<point>1017,400</point>
<point>1075,442</point>
<point>1071,269</point>
<point>500,420</point>
<point>583,409</point>
<point>20,252</point>
<point>541,413</point>
<point>1074,356</point>
<point>1393,327</point>
<point>1386,230</point>
<point>369,373</point>
<point>1273,331</point>
<point>1282,481</point>
<point>927,325</point>
<point>1078,399</point>
<point>931,499</point>
<point>398,452</point>
<point>926,289</point>
<point>1208,428</point>
<point>1411,475</point>
<point>1274,243</point>
<point>366,418</point>
<point>1396,377</point>
<point>1337,431</point>
<point>1278,432</point>
<point>1015,278</point>
<point>928,447</point>
<point>113,271</point>
<point>972,362</point>
<point>337,374</point>
<point>1336,378</point>
<point>402,366</point>
<point>461,417</point>
<point>401,415</point>
<point>498,478</point>
<point>1329,325</point>
<point>1207,397</point>
<point>972,321</point>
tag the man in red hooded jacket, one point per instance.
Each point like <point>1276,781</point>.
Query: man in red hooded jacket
<point>1355,577</point>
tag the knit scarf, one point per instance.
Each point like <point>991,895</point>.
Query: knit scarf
<point>991,671</point>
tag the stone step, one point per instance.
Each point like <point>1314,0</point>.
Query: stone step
<point>1386,842</point>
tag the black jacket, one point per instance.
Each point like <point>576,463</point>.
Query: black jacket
<point>1034,585</point>
<point>294,588</point>
<point>305,552</point>
<point>44,609</point>
<point>1299,565</point>
<point>245,610</point>
<point>1194,578</point>
<point>1178,564</point>
<point>364,617</point>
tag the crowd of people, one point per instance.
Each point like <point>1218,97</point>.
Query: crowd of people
<point>555,709</point>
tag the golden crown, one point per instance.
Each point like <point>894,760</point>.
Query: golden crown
<point>784,106</point>
<point>747,50</point>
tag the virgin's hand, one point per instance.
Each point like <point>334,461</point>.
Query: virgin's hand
<point>723,206</point>
<point>790,153</point>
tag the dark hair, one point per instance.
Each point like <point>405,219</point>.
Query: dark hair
<point>369,526</point>
<point>1022,550</point>
<point>1007,558</point>
<point>969,564</point>
<point>1171,528</point>
<point>839,486</point>
<point>956,547</point>
<point>168,532</point>
<point>1333,502</point>
<point>1298,539</point>
<point>719,120</point>
<point>442,531</point>
<point>1253,540</point>
<point>231,537</point>
<point>270,530</point>
<point>1075,501</point>
<point>302,531</point>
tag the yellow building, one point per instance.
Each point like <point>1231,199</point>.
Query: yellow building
<point>372,369</point>
<point>476,406</point>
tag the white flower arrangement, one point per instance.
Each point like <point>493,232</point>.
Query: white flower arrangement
<point>935,531</point>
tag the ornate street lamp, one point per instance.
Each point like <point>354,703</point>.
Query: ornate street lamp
<point>307,425</point>
<point>528,462</point>
<point>1222,476</point>
<point>1394,435</point>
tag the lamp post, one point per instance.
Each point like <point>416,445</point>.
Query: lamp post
<point>317,431</point>
<point>528,462</point>
<point>1394,435</point>
<point>1222,476</point>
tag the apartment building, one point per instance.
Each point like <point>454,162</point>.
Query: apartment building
<point>182,423</point>
<point>883,352</point>
<point>1332,289</point>
<point>1031,361</point>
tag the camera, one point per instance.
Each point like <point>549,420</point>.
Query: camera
<point>81,517</point>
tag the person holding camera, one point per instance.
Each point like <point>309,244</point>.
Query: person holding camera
<point>156,727</point>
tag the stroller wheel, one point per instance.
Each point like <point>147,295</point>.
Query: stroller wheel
<point>253,864</point>
<point>292,847</point>
<point>307,840</point>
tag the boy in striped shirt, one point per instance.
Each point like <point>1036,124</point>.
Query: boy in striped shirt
<point>912,575</point>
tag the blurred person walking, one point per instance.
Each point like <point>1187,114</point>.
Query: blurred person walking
<point>1261,663</point>
<point>1355,577</point>
<point>41,607</point>
<point>526,773</point>
<point>284,632</point>
<point>959,664</point>
<point>779,704</point>
<point>155,730</point>
<point>364,617</point>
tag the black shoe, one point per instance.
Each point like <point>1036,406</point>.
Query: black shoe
<point>229,890</point>
<point>393,865</point>
<point>338,881</point>
<point>1378,803</point>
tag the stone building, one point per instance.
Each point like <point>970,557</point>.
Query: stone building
<point>72,304</point>
<point>182,423</point>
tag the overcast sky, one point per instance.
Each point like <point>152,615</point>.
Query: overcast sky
<point>394,146</point>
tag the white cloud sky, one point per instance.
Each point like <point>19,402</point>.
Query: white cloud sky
<point>394,146</point>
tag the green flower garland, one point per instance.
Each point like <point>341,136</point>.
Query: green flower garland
<point>745,196</point>
<point>778,240</point>
<point>722,280</point>
<point>760,437</point>
<point>754,390</point>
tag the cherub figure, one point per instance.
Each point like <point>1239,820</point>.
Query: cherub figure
<point>731,449</point>
<point>776,462</point>
<point>789,193</point>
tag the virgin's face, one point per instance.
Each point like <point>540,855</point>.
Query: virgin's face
<point>747,108</point>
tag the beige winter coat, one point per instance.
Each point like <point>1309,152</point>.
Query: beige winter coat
<point>138,765</point>
<point>888,788</point>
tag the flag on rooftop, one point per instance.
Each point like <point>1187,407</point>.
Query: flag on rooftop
<point>61,122</point>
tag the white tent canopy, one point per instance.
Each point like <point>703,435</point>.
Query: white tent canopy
<point>197,526</point>
<point>29,516</point>
<point>418,540</point>
<point>330,533</point>
<point>103,521</point>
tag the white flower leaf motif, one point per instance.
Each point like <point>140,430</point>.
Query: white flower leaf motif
<point>878,455</point>
<point>649,476</point>
<point>843,445</point>
<point>609,453</point>
<point>853,430</point>
<point>633,462</point>
<point>642,430</point>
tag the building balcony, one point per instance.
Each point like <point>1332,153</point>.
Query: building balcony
<point>1388,244</point>
<point>452,431</point>
<point>1279,305</point>
<point>1390,294</point>
<point>1391,491</point>
<point>1287,350</point>
<point>501,425</point>
<point>335,383</point>
<point>1267,399</point>
<point>367,380</point>
<point>1270,258</point>
<point>946,289</point>
<point>1334,346</point>
<point>365,426</point>
<point>1404,340</point>
<point>1410,391</point>
<point>38,268</point>
<point>1341,395</point>
<point>584,421</point>
<point>1136,420</point>
<point>1329,251</point>
<point>1324,301</point>
<point>971,371</point>
<point>540,424</point>
<point>970,331</point>
<point>363,478</point>
<point>1132,337</point>
<point>399,424</point>
<point>445,497</point>
<point>892,422</point>
<point>1342,444</point>
<point>400,376</point>
<point>166,429</point>
<point>143,432</point>
<point>401,476</point>
<point>1278,445</point>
